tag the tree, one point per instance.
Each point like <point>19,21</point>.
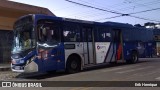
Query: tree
<point>149,24</point>
<point>137,25</point>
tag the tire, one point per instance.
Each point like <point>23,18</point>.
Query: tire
<point>134,58</point>
<point>73,65</point>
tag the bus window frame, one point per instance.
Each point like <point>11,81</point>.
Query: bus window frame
<point>106,30</point>
<point>70,25</point>
<point>58,24</point>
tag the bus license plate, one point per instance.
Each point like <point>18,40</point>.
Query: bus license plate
<point>17,67</point>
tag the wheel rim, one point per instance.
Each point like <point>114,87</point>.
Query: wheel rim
<point>135,57</point>
<point>74,65</point>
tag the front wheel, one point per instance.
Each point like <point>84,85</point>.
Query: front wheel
<point>73,65</point>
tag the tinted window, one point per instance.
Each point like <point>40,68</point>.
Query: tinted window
<point>48,31</point>
<point>87,34</point>
<point>103,34</point>
<point>71,32</point>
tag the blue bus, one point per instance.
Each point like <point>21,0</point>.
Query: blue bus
<point>47,43</point>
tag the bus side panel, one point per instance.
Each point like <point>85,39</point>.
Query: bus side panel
<point>73,48</point>
<point>149,49</point>
<point>105,47</point>
<point>144,49</point>
<point>127,49</point>
<point>105,52</point>
<point>55,59</point>
<point>61,58</point>
<point>40,65</point>
<point>102,52</point>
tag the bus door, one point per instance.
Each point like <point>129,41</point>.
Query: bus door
<point>118,45</point>
<point>87,35</point>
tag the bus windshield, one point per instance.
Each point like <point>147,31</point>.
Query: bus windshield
<point>24,37</point>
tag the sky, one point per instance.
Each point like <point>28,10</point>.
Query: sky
<point>62,8</point>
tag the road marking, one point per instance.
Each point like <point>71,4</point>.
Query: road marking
<point>89,88</point>
<point>118,68</point>
<point>145,74</point>
<point>113,69</point>
<point>158,78</point>
<point>77,88</point>
<point>126,71</point>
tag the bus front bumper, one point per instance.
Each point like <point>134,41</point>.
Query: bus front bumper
<point>31,67</point>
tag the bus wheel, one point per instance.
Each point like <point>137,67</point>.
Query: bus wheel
<point>73,64</point>
<point>134,57</point>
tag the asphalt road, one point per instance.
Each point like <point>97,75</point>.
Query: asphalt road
<point>145,70</point>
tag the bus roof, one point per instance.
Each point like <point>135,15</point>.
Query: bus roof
<point>110,24</point>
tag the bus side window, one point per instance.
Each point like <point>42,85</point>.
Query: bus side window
<point>103,35</point>
<point>44,34</point>
<point>48,31</point>
<point>71,33</point>
<point>90,35</point>
<point>54,34</point>
<point>41,33</point>
<point>70,36</point>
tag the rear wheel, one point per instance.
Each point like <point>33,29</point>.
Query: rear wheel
<point>134,58</point>
<point>73,64</point>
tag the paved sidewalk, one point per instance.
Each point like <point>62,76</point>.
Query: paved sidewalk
<point>5,67</point>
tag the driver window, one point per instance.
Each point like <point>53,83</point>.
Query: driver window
<point>26,39</point>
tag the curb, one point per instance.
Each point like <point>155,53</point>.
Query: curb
<point>5,68</point>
